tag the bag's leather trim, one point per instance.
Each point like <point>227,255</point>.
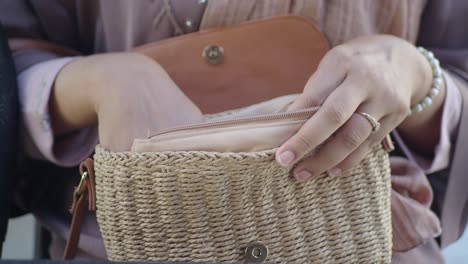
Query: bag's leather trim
<point>84,194</point>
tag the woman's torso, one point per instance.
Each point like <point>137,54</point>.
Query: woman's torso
<point>118,25</point>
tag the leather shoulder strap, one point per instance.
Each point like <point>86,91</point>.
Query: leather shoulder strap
<point>84,195</point>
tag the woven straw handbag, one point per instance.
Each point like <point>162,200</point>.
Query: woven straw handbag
<point>213,192</point>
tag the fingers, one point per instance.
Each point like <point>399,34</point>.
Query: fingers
<point>345,151</point>
<point>321,84</point>
<point>349,138</point>
<point>334,112</point>
<point>361,152</point>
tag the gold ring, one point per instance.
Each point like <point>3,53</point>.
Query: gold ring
<point>374,123</point>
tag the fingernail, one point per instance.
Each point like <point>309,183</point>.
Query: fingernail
<point>334,172</point>
<point>286,157</point>
<point>303,175</point>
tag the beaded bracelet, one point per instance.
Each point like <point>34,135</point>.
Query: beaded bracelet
<point>436,81</point>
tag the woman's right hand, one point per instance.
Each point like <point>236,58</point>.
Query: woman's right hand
<point>127,94</point>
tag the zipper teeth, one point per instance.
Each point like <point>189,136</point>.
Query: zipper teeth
<point>238,120</point>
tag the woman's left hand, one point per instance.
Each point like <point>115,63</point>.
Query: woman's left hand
<point>379,75</point>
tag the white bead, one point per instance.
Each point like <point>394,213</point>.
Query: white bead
<point>430,55</point>
<point>201,2</point>
<point>437,72</point>
<point>434,92</point>
<point>437,82</point>
<point>418,108</point>
<point>427,101</point>
<point>188,23</point>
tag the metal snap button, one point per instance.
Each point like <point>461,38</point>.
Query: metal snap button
<point>213,54</point>
<point>256,252</point>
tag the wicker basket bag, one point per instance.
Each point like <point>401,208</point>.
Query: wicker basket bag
<point>211,206</point>
<point>204,206</point>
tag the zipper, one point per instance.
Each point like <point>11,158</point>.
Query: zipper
<point>236,121</point>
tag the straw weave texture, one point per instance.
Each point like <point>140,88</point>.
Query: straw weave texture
<point>206,206</point>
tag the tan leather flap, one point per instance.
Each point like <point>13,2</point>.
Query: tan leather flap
<point>262,60</point>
